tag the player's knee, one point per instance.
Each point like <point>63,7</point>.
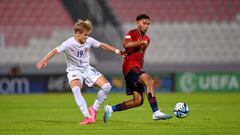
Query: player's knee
<point>106,87</point>
<point>150,82</point>
<point>138,101</point>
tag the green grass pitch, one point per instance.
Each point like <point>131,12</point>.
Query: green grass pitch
<point>57,114</point>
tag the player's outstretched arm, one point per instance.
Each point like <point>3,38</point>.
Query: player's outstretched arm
<point>43,62</point>
<point>110,48</point>
<point>129,44</point>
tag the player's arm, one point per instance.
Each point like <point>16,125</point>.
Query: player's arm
<point>110,48</point>
<point>43,62</point>
<point>129,44</point>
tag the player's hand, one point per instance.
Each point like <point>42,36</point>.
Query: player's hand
<point>144,42</point>
<point>123,53</point>
<point>41,64</point>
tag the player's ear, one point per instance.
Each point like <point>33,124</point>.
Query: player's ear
<point>138,22</point>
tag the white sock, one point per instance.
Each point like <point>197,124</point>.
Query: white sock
<point>102,95</point>
<point>81,103</point>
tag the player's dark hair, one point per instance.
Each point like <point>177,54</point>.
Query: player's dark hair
<point>142,16</point>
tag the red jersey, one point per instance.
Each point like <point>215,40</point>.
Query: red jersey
<point>135,55</point>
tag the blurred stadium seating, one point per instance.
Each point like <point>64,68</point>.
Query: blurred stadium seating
<point>188,31</point>
<point>29,29</point>
<point>23,19</point>
<point>177,10</point>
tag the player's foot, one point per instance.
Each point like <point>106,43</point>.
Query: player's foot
<point>107,113</point>
<point>160,116</point>
<point>86,120</point>
<point>93,114</point>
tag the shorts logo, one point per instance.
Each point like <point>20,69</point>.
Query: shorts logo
<point>135,84</point>
<point>73,75</point>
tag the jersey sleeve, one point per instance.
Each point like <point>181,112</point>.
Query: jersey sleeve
<point>95,43</point>
<point>62,47</point>
<point>128,37</point>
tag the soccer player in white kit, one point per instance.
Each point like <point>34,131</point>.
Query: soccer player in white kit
<point>76,50</point>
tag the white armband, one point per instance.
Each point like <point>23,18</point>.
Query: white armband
<point>117,51</point>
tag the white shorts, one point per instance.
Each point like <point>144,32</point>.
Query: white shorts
<point>90,75</point>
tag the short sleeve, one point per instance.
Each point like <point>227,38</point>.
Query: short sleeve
<point>62,47</point>
<point>128,37</point>
<point>95,43</point>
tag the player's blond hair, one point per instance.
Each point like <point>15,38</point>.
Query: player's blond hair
<point>82,26</point>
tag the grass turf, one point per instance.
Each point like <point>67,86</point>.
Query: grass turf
<point>57,114</point>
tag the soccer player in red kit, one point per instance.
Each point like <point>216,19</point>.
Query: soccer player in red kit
<point>135,43</point>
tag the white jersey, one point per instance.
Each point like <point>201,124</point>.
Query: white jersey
<point>77,54</point>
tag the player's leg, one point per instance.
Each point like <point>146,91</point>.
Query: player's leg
<point>80,101</point>
<point>75,81</point>
<point>137,100</point>
<point>149,83</point>
<point>94,77</point>
<point>133,87</point>
<point>105,88</point>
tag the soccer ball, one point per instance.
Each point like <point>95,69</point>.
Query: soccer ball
<point>181,110</point>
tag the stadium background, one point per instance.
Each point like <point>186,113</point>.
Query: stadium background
<point>194,56</point>
<point>195,44</point>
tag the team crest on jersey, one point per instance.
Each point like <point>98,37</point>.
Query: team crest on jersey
<point>85,50</point>
<point>127,37</point>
